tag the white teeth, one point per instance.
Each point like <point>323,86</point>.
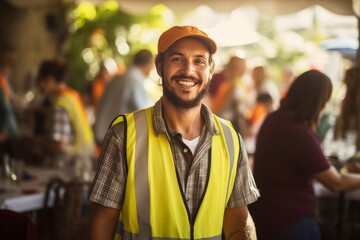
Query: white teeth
<point>188,84</point>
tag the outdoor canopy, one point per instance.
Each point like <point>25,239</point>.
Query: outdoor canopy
<point>276,7</point>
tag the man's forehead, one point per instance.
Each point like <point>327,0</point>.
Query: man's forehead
<point>189,45</point>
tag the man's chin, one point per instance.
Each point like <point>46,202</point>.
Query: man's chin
<point>190,104</point>
<point>184,103</point>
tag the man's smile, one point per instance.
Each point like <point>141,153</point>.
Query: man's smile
<point>186,83</point>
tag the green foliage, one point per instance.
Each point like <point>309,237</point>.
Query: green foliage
<point>278,48</point>
<point>105,31</point>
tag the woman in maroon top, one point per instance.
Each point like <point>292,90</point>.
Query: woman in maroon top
<point>288,158</point>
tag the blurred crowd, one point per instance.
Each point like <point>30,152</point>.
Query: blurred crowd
<point>265,111</point>
<point>66,124</point>
<point>59,122</point>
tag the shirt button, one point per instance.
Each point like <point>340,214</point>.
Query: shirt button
<point>185,150</point>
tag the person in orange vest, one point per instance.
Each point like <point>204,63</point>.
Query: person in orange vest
<point>9,128</point>
<point>99,83</point>
<point>228,101</point>
<point>70,140</point>
<point>8,124</point>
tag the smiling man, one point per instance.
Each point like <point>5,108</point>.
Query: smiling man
<point>174,170</point>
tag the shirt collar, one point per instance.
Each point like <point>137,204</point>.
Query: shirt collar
<point>160,126</point>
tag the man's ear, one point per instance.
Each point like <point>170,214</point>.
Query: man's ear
<point>159,65</point>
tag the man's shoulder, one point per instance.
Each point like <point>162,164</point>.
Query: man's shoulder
<point>118,128</point>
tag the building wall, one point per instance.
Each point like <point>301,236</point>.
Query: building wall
<point>36,33</point>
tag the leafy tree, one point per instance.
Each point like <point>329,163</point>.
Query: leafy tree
<point>99,32</point>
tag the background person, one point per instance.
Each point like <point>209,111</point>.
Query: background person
<point>8,56</point>
<point>8,125</point>
<point>228,101</point>
<point>165,186</point>
<point>263,83</point>
<point>234,68</point>
<point>263,106</point>
<point>125,93</point>
<point>70,141</point>
<point>287,77</point>
<point>289,157</point>
<point>99,83</point>
<point>348,121</point>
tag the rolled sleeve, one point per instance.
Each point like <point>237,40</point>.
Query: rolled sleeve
<point>109,183</point>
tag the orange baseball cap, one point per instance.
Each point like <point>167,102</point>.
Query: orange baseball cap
<point>173,34</point>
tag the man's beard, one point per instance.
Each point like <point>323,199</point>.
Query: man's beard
<point>177,101</point>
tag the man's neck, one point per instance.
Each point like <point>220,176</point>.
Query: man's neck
<point>187,122</point>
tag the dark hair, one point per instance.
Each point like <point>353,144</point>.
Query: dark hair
<point>307,96</point>
<point>6,48</point>
<point>264,98</point>
<point>142,57</point>
<point>348,111</point>
<point>52,68</point>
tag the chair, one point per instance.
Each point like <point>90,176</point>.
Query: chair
<point>17,226</point>
<point>67,217</point>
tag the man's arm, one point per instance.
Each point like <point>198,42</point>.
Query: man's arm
<point>238,224</point>
<point>103,222</point>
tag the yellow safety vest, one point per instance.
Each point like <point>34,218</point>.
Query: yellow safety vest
<point>154,204</point>
<point>83,135</point>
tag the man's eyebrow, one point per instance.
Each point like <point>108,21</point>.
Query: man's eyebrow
<point>181,54</point>
<point>175,53</point>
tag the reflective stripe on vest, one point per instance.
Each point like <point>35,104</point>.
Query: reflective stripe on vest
<point>154,205</point>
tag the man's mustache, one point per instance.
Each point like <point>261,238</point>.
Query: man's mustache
<point>183,76</point>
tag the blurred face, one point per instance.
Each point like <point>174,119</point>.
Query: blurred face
<point>258,75</point>
<point>236,68</point>
<point>186,72</point>
<point>47,85</point>
<point>148,68</point>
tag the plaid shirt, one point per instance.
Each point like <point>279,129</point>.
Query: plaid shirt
<point>61,129</point>
<point>108,187</point>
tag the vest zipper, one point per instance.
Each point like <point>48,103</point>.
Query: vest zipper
<point>202,197</point>
<point>191,221</point>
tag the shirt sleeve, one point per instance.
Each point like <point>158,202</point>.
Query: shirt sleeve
<point>245,190</point>
<point>310,158</point>
<point>108,187</point>
<point>60,125</point>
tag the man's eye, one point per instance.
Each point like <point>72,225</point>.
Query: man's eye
<point>177,59</point>
<point>200,62</point>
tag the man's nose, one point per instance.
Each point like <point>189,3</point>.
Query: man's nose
<point>189,67</point>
